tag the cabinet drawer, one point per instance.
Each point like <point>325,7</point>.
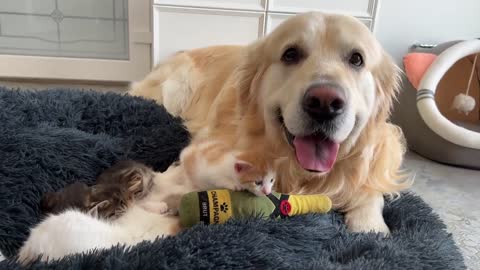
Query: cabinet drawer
<point>273,20</point>
<point>257,5</point>
<point>182,28</point>
<point>360,8</point>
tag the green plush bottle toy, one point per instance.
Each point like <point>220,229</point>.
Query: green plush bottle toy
<point>217,206</point>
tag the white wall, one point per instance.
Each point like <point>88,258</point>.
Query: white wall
<point>401,23</point>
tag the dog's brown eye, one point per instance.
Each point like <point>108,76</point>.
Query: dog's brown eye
<point>356,59</point>
<point>271,180</point>
<point>258,183</point>
<point>291,56</point>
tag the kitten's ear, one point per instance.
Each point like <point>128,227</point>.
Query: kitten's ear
<point>93,212</point>
<point>242,166</point>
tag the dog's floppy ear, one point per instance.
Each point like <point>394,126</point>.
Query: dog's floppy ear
<point>249,73</point>
<point>387,76</point>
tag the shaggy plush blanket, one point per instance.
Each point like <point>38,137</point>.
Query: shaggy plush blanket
<point>51,138</point>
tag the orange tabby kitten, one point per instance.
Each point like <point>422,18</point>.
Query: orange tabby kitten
<point>210,165</point>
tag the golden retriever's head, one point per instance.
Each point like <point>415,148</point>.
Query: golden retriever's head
<point>319,79</point>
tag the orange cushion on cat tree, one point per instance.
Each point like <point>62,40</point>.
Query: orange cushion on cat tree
<point>416,64</point>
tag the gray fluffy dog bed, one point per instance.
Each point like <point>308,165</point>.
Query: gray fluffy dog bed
<point>51,138</point>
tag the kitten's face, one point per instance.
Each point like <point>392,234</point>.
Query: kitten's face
<point>251,178</point>
<point>262,186</point>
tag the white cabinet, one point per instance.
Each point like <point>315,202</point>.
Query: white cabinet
<point>274,19</point>
<point>256,5</point>
<point>95,40</point>
<point>187,28</point>
<point>186,24</point>
<point>111,40</point>
<point>360,8</point>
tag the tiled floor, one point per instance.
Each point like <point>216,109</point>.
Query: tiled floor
<point>454,193</point>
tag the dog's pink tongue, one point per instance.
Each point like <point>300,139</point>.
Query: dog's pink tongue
<point>315,153</point>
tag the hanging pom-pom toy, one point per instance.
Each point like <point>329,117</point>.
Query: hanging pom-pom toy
<point>463,102</point>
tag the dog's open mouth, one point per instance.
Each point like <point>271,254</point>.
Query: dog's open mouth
<point>315,152</point>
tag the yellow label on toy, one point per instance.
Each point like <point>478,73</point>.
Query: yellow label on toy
<point>220,206</point>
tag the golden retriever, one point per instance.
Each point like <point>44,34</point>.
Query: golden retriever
<point>317,90</point>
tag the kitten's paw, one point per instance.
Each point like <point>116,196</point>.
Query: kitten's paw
<point>172,212</point>
<point>28,254</point>
<point>42,242</point>
<point>63,234</point>
<point>156,207</point>
<point>235,187</point>
<point>163,208</point>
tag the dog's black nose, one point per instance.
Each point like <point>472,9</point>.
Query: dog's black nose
<point>323,103</point>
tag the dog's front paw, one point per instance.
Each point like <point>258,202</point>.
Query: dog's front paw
<point>367,217</point>
<point>363,224</point>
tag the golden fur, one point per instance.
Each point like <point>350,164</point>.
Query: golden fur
<point>227,93</point>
